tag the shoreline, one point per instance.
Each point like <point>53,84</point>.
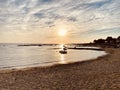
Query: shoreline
<point>101,73</point>
<point>7,69</point>
<point>49,66</point>
<point>55,65</point>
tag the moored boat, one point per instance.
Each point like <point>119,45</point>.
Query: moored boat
<point>63,52</point>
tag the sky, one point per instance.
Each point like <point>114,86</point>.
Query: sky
<point>41,21</point>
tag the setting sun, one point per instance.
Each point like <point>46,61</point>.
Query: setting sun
<point>62,32</point>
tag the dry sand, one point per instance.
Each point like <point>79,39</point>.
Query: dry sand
<point>100,74</point>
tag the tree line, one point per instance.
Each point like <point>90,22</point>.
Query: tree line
<point>109,41</point>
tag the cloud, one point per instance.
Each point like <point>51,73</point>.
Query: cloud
<point>43,15</point>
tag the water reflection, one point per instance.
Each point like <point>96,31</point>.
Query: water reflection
<point>62,59</point>
<point>62,56</point>
<point>37,56</point>
<point>61,46</point>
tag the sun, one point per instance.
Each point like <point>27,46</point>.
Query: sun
<point>62,32</point>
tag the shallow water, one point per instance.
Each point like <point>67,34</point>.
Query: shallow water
<point>13,56</point>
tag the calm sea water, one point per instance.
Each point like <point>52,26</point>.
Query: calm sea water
<point>13,56</point>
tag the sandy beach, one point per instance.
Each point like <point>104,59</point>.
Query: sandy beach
<point>99,74</point>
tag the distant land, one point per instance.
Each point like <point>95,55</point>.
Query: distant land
<point>108,42</point>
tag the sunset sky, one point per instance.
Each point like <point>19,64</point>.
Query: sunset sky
<point>58,21</point>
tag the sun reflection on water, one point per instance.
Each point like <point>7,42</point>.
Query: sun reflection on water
<point>61,46</point>
<point>62,59</point>
<point>62,56</point>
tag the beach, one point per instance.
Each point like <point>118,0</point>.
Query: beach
<point>102,73</point>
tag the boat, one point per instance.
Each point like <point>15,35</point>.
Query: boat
<point>63,51</point>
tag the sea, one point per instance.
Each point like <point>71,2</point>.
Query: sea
<point>13,56</point>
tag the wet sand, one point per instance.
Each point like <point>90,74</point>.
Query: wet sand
<point>99,74</point>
